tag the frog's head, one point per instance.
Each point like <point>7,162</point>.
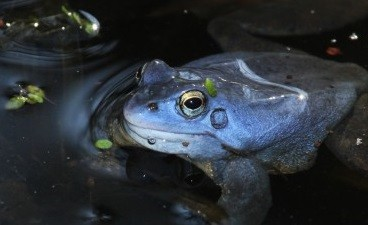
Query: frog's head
<point>174,111</point>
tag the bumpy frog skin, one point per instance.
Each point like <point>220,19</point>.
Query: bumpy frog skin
<point>270,113</point>
<point>254,112</point>
<point>222,123</point>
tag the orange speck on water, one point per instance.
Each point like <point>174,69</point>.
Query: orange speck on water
<point>333,51</point>
<point>2,24</point>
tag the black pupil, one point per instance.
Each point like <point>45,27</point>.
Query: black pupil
<point>193,103</point>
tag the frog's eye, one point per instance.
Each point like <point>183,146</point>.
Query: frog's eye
<point>192,103</point>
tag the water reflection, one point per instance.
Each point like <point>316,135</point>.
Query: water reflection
<point>51,172</point>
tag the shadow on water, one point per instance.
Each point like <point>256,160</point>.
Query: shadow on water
<point>329,193</point>
<point>51,172</point>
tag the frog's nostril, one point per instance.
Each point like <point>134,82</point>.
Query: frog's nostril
<point>152,106</point>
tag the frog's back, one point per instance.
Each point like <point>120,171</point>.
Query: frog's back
<point>332,89</point>
<point>293,69</point>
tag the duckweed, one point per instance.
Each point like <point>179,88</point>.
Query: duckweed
<point>89,23</point>
<point>103,144</point>
<point>15,102</point>
<point>31,95</point>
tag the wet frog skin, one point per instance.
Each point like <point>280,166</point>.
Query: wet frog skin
<point>269,113</point>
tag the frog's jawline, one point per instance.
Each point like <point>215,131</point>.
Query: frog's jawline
<point>141,132</point>
<point>190,145</point>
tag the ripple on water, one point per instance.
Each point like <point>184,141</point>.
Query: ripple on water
<point>47,149</point>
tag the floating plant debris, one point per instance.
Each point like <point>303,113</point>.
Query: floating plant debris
<point>34,94</point>
<point>31,95</point>
<point>15,102</point>
<point>86,21</point>
<point>103,144</point>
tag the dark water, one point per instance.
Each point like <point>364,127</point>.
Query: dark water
<point>50,172</point>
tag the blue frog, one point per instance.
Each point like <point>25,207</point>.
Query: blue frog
<point>240,116</point>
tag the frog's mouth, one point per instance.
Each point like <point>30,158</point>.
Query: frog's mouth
<point>197,145</point>
<point>156,139</point>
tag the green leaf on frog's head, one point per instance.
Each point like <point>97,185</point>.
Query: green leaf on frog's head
<point>103,144</point>
<point>15,102</point>
<point>210,87</point>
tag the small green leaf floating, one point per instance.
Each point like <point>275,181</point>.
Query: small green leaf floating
<point>103,144</point>
<point>33,95</point>
<point>33,99</point>
<point>210,87</point>
<point>15,102</point>
<point>90,24</point>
